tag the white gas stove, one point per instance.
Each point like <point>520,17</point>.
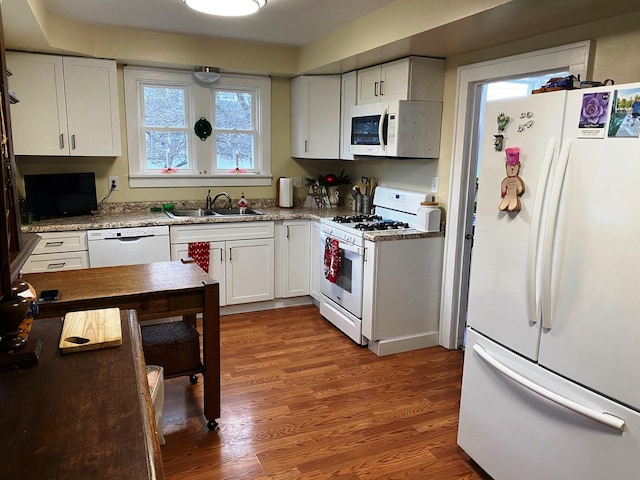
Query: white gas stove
<point>395,209</point>
<point>344,241</point>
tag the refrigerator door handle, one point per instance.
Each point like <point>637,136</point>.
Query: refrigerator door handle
<point>549,234</point>
<point>534,232</point>
<point>600,417</point>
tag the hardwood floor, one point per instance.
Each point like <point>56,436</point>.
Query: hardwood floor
<point>302,401</point>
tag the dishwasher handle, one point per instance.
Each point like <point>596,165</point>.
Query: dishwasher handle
<point>129,239</point>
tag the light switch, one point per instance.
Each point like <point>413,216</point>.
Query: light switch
<point>434,184</point>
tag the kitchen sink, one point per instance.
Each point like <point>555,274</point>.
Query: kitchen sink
<point>194,212</point>
<point>236,211</point>
<point>201,212</point>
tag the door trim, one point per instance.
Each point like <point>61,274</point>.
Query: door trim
<point>575,58</point>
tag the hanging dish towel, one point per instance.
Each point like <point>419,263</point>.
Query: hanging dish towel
<point>332,260</point>
<point>199,251</point>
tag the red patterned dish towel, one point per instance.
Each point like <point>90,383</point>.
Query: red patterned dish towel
<point>199,251</point>
<point>332,260</point>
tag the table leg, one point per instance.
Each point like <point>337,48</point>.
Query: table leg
<point>211,353</point>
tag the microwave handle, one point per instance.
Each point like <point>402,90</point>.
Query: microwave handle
<point>382,127</point>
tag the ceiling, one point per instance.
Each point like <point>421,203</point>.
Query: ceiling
<point>287,22</point>
<point>398,28</point>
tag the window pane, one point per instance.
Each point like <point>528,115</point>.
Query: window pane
<point>230,146</point>
<point>233,110</point>
<point>167,149</point>
<point>164,107</point>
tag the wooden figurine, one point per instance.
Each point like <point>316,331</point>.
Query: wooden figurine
<point>512,186</point>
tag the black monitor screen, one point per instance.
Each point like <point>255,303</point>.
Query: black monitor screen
<point>60,194</point>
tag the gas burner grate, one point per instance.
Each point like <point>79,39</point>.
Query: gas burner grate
<point>370,227</point>
<point>356,218</point>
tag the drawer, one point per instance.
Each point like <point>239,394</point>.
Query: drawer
<point>55,242</point>
<point>52,262</point>
<point>221,232</point>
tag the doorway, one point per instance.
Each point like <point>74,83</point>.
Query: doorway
<point>495,90</point>
<point>472,92</point>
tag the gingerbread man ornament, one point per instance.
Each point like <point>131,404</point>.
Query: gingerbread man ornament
<point>512,186</point>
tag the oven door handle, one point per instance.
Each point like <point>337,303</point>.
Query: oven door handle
<point>347,247</point>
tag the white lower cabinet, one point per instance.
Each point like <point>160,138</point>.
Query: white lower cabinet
<point>217,264</point>
<point>401,294</point>
<point>58,251</point>
<point>295,258</point>
<point>249,272</point>
<point>317,263</point>
<point>241,257</point>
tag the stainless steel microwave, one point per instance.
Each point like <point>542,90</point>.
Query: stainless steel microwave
<point>401,129</point>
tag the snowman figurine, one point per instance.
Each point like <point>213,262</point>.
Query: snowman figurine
<point>512,187</point>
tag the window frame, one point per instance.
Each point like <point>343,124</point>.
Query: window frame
<point>199,103</point>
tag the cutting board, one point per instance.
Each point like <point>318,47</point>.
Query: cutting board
<point>90,330</point>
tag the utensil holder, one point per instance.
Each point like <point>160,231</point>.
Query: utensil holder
<point>366,204</point>
<point>358,202</point>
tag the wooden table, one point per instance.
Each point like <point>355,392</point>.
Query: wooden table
<point>80,415</point>
<point>155,290</point>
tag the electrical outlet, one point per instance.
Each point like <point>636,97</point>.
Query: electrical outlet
<point>115,182</point>
<point>434,184</point>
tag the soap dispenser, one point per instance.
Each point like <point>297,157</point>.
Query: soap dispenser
<point>242,204</point>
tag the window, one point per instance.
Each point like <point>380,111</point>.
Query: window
<point>235,130</point>
<point>230,146</point>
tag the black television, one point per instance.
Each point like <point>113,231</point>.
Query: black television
<point>60,194</point>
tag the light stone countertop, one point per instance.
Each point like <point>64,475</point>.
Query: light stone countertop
<point>124,216</point>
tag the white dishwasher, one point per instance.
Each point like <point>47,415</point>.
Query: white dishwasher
<point>128,246</point>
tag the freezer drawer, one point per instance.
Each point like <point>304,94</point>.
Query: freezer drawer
<point>505,426</point>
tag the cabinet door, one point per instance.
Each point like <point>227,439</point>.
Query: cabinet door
<point>93,117</point>
<point>39,120</point>
<point>349,99</point>
<point>394,81</point>
<point>295,258</point>
<point>317,262</point>
<point>315,117</point>
<point>369,85</point>
<point>217,265</point>
<point>250,275</point>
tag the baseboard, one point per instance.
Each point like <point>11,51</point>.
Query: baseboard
<point>268,305</point>
<point>403,344</point>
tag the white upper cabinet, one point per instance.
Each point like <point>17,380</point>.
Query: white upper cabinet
<point>349,99</point>
<point>411,78</point>
<point>67,105</point>
<point>315,116</point>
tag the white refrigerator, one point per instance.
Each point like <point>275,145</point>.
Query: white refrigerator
<point>551,379</point>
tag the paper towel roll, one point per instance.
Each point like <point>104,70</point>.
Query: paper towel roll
<point>285,192</point>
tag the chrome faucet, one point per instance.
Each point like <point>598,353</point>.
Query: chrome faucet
<point>221,194</point>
